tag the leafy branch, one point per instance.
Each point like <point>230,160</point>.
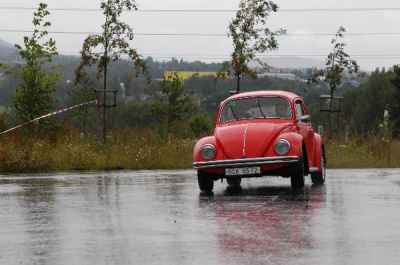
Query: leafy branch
<point>33,95</point>
<point>337,63</point>
<point>250,36</point>
<point>100,49</point>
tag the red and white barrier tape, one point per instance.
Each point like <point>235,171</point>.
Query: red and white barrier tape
<point>48,115</point>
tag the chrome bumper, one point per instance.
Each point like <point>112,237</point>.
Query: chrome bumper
<point>244,162</point>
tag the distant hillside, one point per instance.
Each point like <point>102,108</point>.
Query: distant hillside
<point>293,62</point>
<point>7,51</point>
<point>6,47</point>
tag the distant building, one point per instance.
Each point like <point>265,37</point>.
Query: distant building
<point>288,76</point>
<point>122,93</point>
<point>184,75</point>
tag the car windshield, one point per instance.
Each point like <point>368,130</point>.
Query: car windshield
<point>256,108</point>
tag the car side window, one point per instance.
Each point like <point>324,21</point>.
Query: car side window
<point>299,110</point>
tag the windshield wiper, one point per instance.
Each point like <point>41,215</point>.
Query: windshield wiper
<point>259,106</point>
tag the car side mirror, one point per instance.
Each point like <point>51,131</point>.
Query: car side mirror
<point>305,118</point>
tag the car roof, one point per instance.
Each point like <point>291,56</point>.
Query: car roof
<point>264,93</point>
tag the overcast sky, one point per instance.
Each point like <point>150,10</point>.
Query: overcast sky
<point>370,51</point>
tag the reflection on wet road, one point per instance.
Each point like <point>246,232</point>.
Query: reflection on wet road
<point>159,217</point>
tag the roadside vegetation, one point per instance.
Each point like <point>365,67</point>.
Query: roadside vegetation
<point>370,152</point>
<point>132,149</point>
<point>124,150</point>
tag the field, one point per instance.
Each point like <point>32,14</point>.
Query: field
<point>123,150</point>
<point>127,149</point>
<point>370,152</point>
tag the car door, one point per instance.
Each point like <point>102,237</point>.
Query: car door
<point>305,129</point>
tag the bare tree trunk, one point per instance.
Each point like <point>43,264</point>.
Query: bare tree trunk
<point>330,112</point>
<point>104,103</point>
<point>238,83</point>
<point>98,122</point>
<point>84,120</point>
<point>105,83</point>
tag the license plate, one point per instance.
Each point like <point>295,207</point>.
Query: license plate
<point>242,171</point>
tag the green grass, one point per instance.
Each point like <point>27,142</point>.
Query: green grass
<point>128,149</point>
<point>371,152</point>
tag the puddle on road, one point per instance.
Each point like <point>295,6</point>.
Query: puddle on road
<point>263,224</point>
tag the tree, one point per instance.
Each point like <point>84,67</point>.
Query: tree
<point>394,107</point>
<point>363,107</point>
<point>173,105</point>
<point>83,93</point>
<point>250,36</point>
<point>113,42</point>
<point>337,63</point>
<point>33,95</point>
<point>200,124</point>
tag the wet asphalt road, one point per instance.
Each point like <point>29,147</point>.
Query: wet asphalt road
<point>159,217</point>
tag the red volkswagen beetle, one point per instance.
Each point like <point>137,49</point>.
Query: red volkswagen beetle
<point>262,133</point>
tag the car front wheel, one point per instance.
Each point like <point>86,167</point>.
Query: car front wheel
<point>297,179</point>
<point>319,176</point>
<point>206,182</point>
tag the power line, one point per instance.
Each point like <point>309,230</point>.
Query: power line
<point>227,58</point>
<point>266,57</point>
<point>206,34</point>
<point>275,56</point>
<point>138,11</point>
<point>300,10</point>
<point>341,9</point>
<point>53,32</point>
<point>224,57</point>
<point>260,56</point>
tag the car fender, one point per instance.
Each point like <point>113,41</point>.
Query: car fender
<point>207,140</point>
<point>318,146</point>
<point>295,140</point>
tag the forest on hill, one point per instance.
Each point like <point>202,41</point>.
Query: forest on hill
<point>134,92</point>
<point>364,98</point>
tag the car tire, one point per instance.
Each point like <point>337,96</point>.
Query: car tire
<point>235,181</point>
<point>319,176</point>
<point>206,182</point>
<point>297,179</point>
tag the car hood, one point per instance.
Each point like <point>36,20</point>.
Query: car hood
<point>248,140</point>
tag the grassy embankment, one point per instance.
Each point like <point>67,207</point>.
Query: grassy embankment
<point>126,150</point>
<point>145,150</point>
<point>371,152</point>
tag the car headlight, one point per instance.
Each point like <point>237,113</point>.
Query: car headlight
<point>282,147</point>
<point>208,151</point>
